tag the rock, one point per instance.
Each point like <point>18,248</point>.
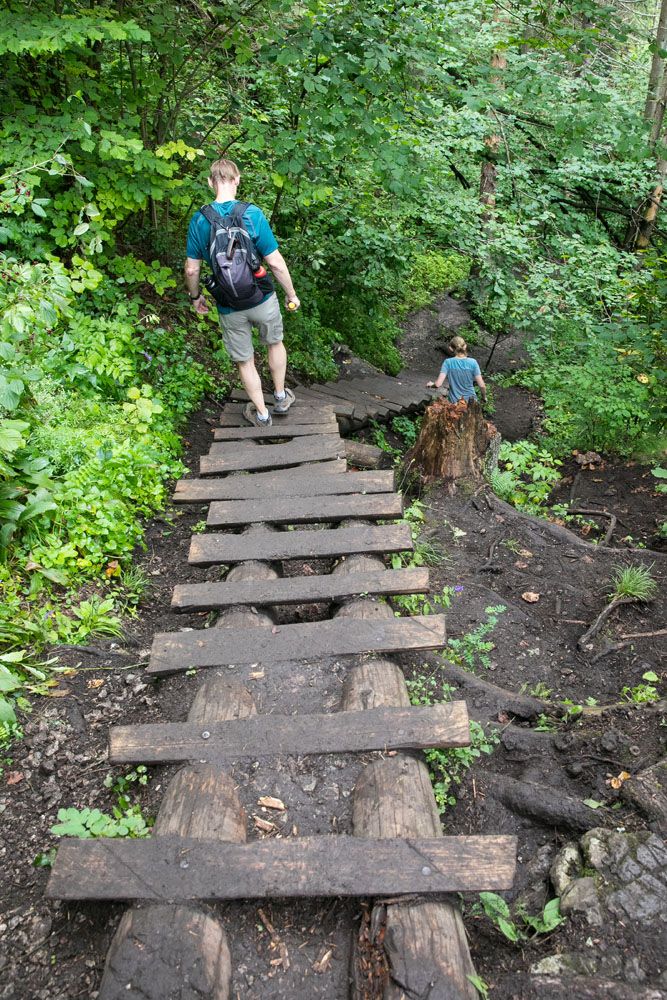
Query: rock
<point>581,896</point>
<point>565,867</point>
<point>633,870</point>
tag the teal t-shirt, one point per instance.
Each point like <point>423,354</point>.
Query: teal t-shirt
<point>255,223</point>
<point>460,374</point>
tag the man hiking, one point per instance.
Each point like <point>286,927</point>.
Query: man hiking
<point>239,221</point>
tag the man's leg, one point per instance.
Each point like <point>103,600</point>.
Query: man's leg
<point>253,385</point>
<point>278,366</point>
<point>237,336</point>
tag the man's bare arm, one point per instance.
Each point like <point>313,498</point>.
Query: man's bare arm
<point>279,269</point>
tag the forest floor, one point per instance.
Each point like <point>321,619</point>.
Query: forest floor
<point>493,556</point>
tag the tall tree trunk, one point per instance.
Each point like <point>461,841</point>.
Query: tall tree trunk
<point>642,223</point>
<point>657,63</point>
<point>488,176</point>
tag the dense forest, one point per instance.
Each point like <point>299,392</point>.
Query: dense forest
<point>514,152</point>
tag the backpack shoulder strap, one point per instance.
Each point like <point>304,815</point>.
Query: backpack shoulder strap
<point>239,211</point>
<point>210,214</point>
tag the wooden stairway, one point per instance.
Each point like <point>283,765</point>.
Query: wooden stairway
<point>285,477</point>
<point>357,400</point>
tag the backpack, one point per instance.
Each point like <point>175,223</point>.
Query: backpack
<point>234,260</point>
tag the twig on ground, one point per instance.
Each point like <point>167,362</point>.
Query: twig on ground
<point>598,513</point>
<point>643,635</point>
<point>601,619</point>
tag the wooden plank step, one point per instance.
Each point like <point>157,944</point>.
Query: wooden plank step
<point>374,406</point>
<point>173,652</point>
<point>305,399</point>
<point>323,479</point>
<point>298,589</point>
<point>312,395</point>
<point>301,510</point>
<point>321,544</point>
<point>294,418</point>
<point>181,868</point>
<point>278,430</point>
<point>420,728</point>
<point>356,389</point>
<point>394,390</point>
<point>249,456</point>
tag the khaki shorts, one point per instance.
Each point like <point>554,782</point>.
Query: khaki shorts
<point>237,328</point>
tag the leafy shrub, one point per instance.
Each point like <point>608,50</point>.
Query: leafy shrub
<point>431,274</point>
<point>527,474</point>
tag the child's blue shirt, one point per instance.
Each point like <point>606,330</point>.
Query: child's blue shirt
<point>460,373</point>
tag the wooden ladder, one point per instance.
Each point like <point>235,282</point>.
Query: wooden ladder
<point>291,474</point>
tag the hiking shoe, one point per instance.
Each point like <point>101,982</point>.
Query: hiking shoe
<point>250,414</point>
<point>281,406</point>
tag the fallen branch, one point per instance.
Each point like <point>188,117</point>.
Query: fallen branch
<point>602,617</point>
<point>599,513</point>
<point>644,635</point>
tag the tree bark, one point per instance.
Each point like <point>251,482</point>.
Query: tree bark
<point>488,174</point>
<point>452,443</point>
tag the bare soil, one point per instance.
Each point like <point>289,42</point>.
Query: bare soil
<point>51,951</point>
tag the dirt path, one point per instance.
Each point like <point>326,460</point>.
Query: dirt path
<point>52,952</point>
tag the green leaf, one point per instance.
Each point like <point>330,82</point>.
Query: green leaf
<point>7,713</point>
<point>38,210</point>
<point>593,804</point>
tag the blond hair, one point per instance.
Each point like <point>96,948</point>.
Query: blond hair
<point>222,172</point>
<point>458,345</point>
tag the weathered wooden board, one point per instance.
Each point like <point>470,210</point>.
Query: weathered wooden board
<point>227,548</point>
<point>324,479</point>
<point>295,418</point>
<point>303,409</point>
<point>358,398</point>
<point>311,396</point>
<point>253,446</point>
<point>278,430</point>
<point>182,868</point>
<point>298,589</point>
<point>406,396</point>
<point>304,510</point>
<point>358,391</point>
<point>413,728</point>
<point>248,456</point>
<point>178,651</point>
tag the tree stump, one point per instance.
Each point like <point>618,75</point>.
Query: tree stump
<point>453,442</point>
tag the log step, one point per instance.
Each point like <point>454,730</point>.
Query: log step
<point>325,479</point>
<point>301,510</point>
<point>298,589</point>
<point>172,652</point>
<point>249,455</point>
<point>271,735</point>
<point>277,430</point>
<point>305,399</point>
<point>167,868</point>
<point>205,550</point>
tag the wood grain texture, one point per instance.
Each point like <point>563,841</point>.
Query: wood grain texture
<point>166,868</point>
<point>250,456</point>
<point>326,479</point>
<point>298,589</point>
<point>279,429</point>
<point>177,651</point>
<point>327,542</point>
<point>164,952</point>
<point>411,727</point>
<point>304,510</point>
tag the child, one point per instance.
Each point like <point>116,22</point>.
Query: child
<point>461,372</point>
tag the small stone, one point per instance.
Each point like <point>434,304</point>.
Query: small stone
<point>567,865</point>
<point>581,897</point>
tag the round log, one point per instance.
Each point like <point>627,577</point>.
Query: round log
<point>423,951</point>
<point>375,684</point>
<point>363,456</point>
<point>167,952</point>
<point>202,802</point>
